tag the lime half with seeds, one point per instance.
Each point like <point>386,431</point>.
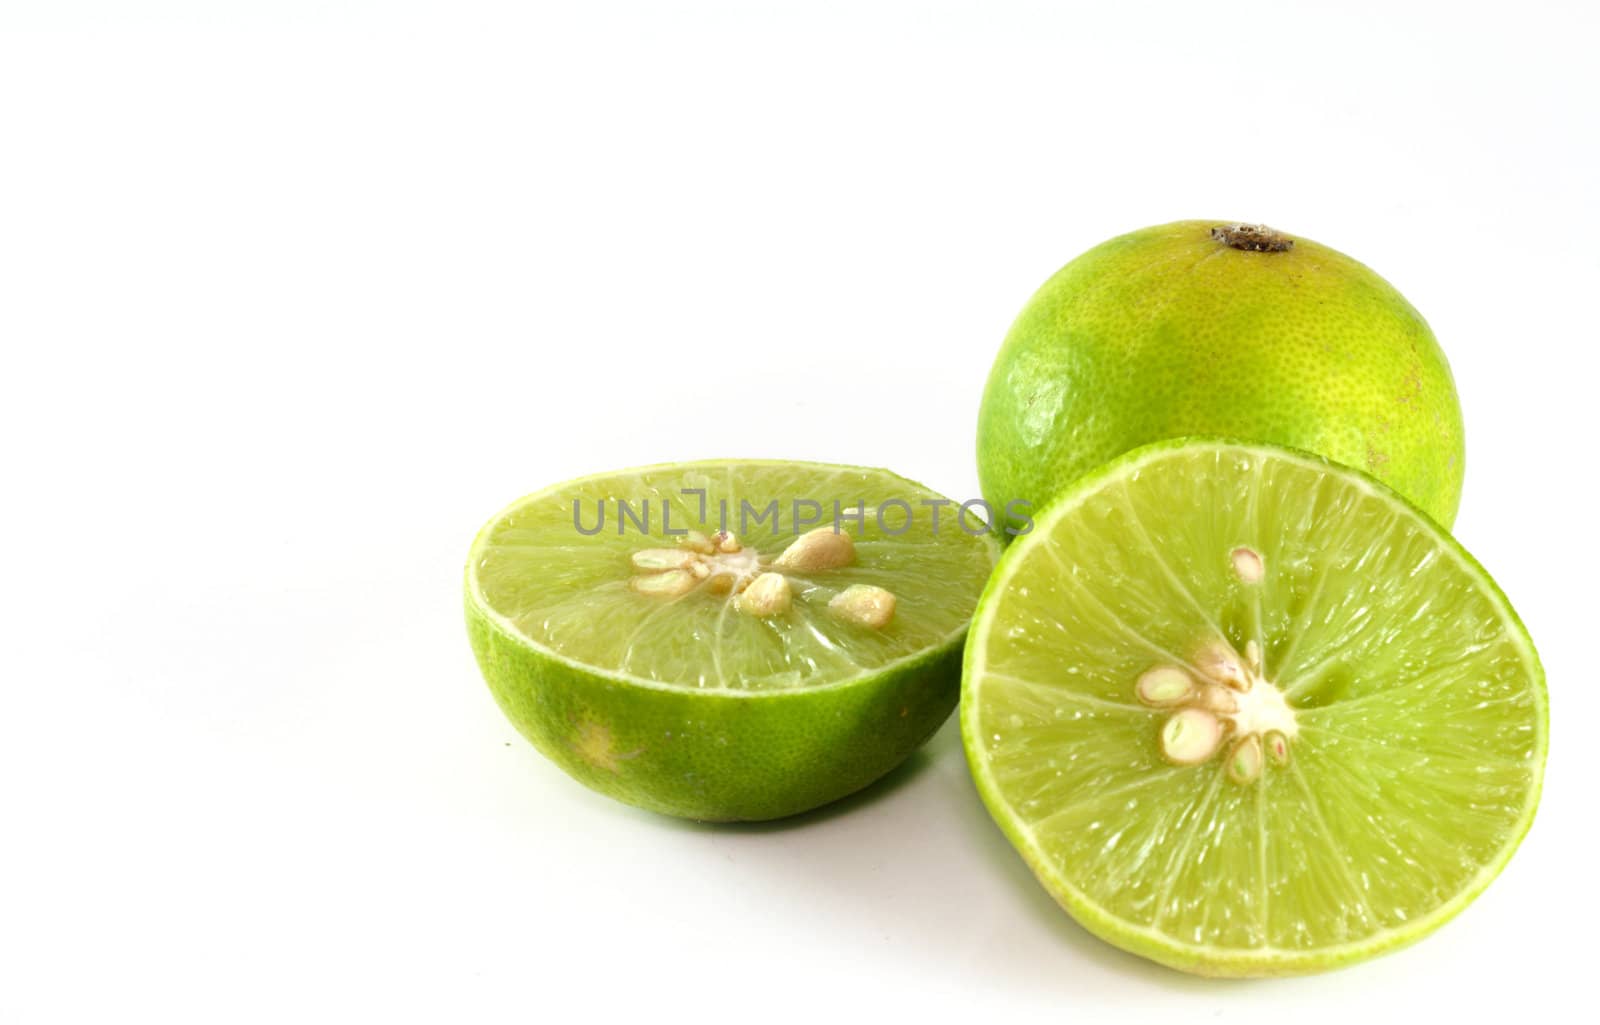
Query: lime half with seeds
<point>1246,712</point>
<point>727,640</point>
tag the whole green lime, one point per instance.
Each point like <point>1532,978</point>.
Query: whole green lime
<point>1232,330</point>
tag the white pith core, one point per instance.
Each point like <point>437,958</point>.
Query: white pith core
<point>1263,708</point>
<point>1220,702</point>
<point>743,566</point>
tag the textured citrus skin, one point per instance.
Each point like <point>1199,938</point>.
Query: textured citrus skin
<point>717,757</point>
<point>1168,332</point>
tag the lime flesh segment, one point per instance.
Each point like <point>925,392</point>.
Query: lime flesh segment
<point>572,594</point>
<point>689,704</point>
<point>1407,698</point>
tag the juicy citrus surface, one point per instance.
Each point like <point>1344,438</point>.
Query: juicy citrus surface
<point>1418,703</point>
<point>687,705</point>
<point>1168,332</point>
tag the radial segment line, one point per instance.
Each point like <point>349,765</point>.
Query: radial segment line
<point>1302,624</point>
<point>827,644</point>
<point>1131,786</point>
<point>1261,859</point>
<point>1068,695</point>
<point>638,631</point>
<point>1252,517</point>
<point>1113,617</point>
<point>1418,755</point>
<point>1427,678</point>
<point>1166,567</point>
<point>1190,836</point>
<point>1310,676</point>
<point>1333,846</point>
<point>1300,627</point>
<point>1354,702</point>
<point>716,646</point>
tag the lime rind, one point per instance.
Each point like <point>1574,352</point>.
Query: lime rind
<point>1207,957</point>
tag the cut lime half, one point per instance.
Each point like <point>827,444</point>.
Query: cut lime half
<point>730,639</point>
<point>1246,712</point>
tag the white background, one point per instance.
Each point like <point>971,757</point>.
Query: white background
<point>294,295</point>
